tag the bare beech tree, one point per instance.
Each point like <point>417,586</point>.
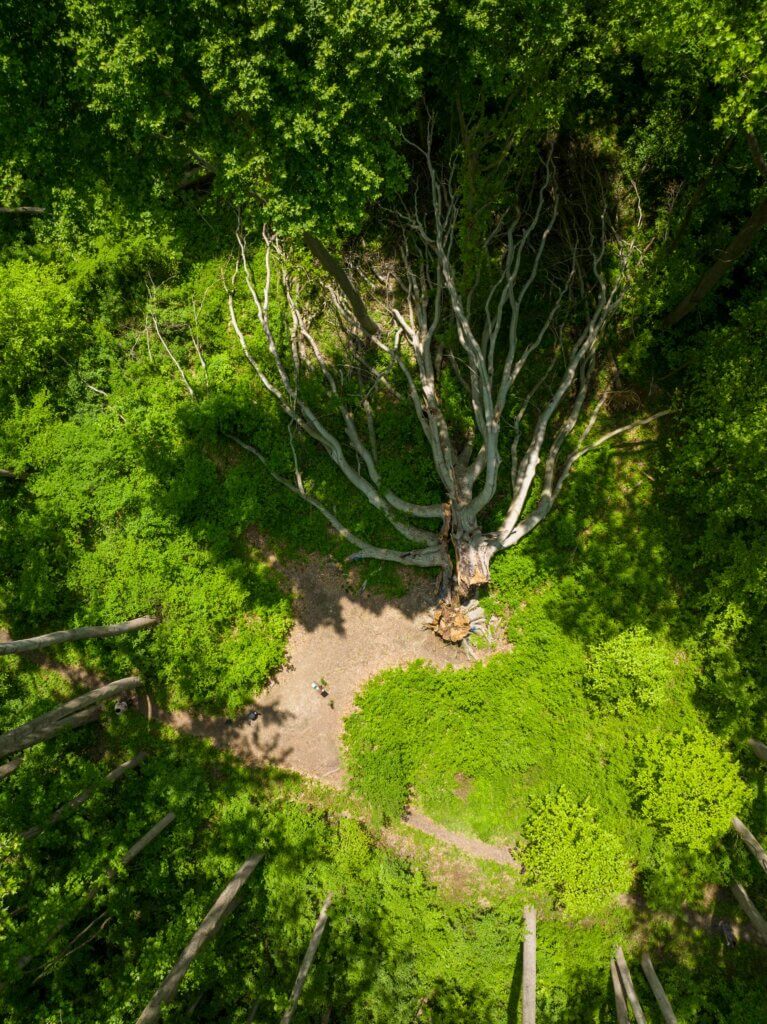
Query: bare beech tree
<point>531,391</point>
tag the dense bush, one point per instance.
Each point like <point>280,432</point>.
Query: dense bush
<point>572,858</point>
<point>688,789</point>
<point>632,667</point>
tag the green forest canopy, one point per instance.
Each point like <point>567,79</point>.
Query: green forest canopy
<point>607,740</point>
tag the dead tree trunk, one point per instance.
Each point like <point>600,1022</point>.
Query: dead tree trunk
<point>69,715</point>
<point>528,967</point>
<point>9,768</point>
<point>81,798</point>
<point>62,636</point>
<point>748,908</point>
<point>657,990</point>
<point>621,1010</point>
<point>628,986</point>
<point>528,399</point>
<point>751,842</point>
<point>210,926</point>
<point>722,266</point>
<point>306,963</point>
<point>759,748</point>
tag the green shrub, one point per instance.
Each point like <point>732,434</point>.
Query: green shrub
<point>632,668</point>
<point>688,788</point>
<point>566,851</point>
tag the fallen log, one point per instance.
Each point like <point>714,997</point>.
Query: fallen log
<point>306,963</point>
<point>62,636</point>
<point>86,794</point>
<point>657,990</point>
<point>211,923</point>
<point>68,715</point>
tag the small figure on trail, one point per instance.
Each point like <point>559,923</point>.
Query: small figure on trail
<point>320,688</point>
<point>727,932</point>
<point>121,706</point>
<point>252,716</point>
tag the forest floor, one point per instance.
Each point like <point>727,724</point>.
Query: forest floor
<point>342,635</point>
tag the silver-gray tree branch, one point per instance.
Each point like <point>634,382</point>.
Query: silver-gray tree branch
<point>524,355</point>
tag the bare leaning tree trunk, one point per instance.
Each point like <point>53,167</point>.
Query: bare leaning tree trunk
<point>63,636</point>
<point>750,840</point>
<point>114,776</point>
<point>628,986</point>
<point>621,1009</point>
<point>747,906</point>
<point>657,990</point>
<point>528,967</point>
<point>73,713</point>
<point>209,928</point>
<point>527,369</point>
<point>127,858</point>
<point>306,963</point>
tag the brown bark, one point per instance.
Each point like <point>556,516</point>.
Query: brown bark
<point>210,926</point>
<point>621,1010</point>
<point>69,715</point>
<point>657,990</point>
<point>721,267</point>
<point>35,643</point>
<point>628,986</point>
<point>759,748</point>
<point>81,798</point>
<point>748,908</point>
<point>332,266</point>
<point>528,967</point>
<point>306,963</point>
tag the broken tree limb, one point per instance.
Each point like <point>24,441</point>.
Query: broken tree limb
<point>748,908</point>
<point>68,715</point>
<point>628,986</point>
<point>212,922</point>
<point>657,990</point>
<point>751,842</point>
<point>62,636</point>
<point>759,748</point>
<point>528,967</point>
<point>306,963</point>
<point>9,768</point>
<point>621,1010</point>
<point>86,794</point>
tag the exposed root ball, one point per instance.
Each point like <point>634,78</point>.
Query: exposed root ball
<point>454,622</point>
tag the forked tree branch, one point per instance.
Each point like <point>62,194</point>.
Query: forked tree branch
<point>527,375</point>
